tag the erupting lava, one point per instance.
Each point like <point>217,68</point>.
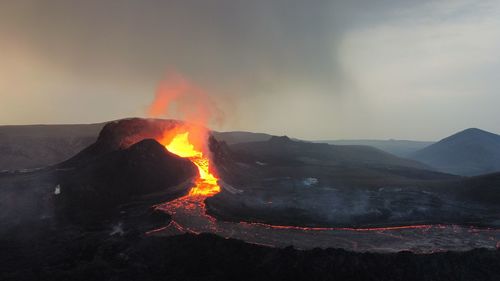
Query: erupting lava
<point>206,183</point>
<point>184,99</point>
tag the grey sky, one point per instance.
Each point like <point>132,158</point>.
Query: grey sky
<point>309,69</point>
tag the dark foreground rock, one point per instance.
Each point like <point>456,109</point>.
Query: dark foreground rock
<point>99,256</point>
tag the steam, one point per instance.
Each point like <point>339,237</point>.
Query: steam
<point>178,97</point>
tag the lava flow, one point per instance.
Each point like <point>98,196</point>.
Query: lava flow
<point>177,95</point>
<point>189,215</point>
<point>206,183</point>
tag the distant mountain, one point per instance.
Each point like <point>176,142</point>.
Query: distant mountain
<point>33,146</point>
<point>470,152</point>
<point>401,148</point>
<point>240,136</point>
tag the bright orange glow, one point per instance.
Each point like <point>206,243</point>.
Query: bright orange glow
<point>178,97</point>
<point>206,184</point>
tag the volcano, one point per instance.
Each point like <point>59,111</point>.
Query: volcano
<point>144,169</point>
<point>145,181</point>
<point>279,181</point>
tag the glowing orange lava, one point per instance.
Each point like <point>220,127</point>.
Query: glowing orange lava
<point>206,183</point>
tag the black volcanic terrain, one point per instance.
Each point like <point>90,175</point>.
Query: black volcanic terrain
<point>287,182</point>
<point>278,181</point>
<point>146,168</point>
<point>106,178</point>
<point>91,216</point>
<point>471,152</point>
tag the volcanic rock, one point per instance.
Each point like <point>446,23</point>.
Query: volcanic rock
<point>253,163</point>
<point>287,182</point>
<point>483,189</point>
<point>121,134</point>
<point>97,185</point>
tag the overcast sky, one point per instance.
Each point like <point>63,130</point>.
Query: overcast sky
<point>308,69</point>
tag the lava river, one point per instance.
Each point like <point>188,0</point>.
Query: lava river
<point>189,216</point>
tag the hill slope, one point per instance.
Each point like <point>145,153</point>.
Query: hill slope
<point>287,182</point>
<point>283,147</point>
<point>401,148</point>
<point>33,146</point>
<point>262,163</point>
<point>240,136</point>
<point>470,152</point>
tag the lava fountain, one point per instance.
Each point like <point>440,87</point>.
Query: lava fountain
<point>179,97</point>
<point>206,184</point>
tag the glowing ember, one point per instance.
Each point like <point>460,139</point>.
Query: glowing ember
<point>206,183</point>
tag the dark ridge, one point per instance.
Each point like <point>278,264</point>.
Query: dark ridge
<point>240,136</point>
<point>280,140</point>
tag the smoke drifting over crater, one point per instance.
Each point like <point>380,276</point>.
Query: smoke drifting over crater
<point>176,97</point>
<point>328,69</point>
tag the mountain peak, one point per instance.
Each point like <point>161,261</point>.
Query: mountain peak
<point>474,131</point>
<point>469,152</point>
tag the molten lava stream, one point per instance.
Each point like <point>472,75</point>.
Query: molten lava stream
<point>189,216</point>
<point>206,184</point>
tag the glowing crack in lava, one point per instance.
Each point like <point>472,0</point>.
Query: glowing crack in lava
<point>206,183</point>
